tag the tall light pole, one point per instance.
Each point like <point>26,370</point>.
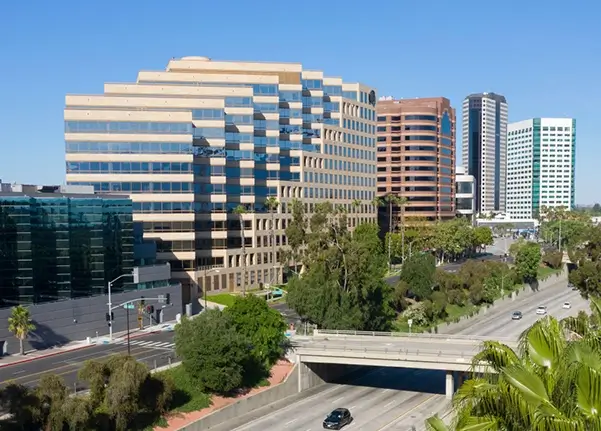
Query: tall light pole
<point>110,304</point>
<point>205,284</point>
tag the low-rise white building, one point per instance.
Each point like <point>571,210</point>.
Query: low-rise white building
<point>465,193</point>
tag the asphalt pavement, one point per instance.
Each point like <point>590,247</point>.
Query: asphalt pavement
<point>155,350</point>
<point>398,399</point>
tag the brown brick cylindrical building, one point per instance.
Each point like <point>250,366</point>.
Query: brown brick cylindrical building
<point>416,157</point>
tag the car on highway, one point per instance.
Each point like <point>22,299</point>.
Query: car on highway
<point>337,419</point>
<point>516,315</point>
<point>541,310</point>
<point>567,305</point>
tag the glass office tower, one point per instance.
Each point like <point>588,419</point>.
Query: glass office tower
<point>192,143</point>
<point>56,246</point>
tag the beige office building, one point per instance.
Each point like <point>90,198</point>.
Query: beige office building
<point>192,143</point>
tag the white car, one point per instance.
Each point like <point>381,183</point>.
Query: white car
<point>567,305</point>
<point>541,310</point>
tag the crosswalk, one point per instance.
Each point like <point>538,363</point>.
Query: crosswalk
<point>148,344</point>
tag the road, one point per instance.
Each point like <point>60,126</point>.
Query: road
<point>155,350</point>
<point>397,399</point>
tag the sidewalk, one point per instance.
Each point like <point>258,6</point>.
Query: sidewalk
<point>32,355</point>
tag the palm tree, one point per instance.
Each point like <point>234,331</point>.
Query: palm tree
<point>19,323</point>
<point>552,383</point>
<point>240,210</point>
<point>392,200</point>
<point>272,204</point>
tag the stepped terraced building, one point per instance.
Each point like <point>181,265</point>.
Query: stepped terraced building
<point>192,143</point>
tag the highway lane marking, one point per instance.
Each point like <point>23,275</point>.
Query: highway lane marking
<point>52,370</point>
<point>389,404</point>
<point>411,410</point>
<point>296,404</point>
<point>18,372</point>
<point>337,399</point>
<point>291,422</point>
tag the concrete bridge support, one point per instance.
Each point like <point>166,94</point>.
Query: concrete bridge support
<point>450,385</point>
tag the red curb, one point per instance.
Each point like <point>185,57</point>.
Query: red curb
<point>46,356</point>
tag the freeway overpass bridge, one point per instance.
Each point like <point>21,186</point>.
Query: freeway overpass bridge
<point>450,353</point>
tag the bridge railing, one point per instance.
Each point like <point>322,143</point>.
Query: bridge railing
<point>366,351</point>
<point>346,333</point>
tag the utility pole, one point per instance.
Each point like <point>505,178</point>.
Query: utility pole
<point>389,233</point>
<point>559,244</point>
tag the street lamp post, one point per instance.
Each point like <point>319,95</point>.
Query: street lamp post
<point>110,304</point>
<point>205,284</point>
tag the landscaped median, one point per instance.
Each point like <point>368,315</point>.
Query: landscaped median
<point>198,411</point>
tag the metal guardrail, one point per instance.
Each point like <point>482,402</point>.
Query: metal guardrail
<point>423,335</point>
<point>389,351</point>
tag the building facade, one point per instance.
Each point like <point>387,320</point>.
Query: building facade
<point>193,143</point>
<point>541,156</point>
<point>465,189</point>
<point>416,157</point>
<point>484,139</point>
<point>57,243</point>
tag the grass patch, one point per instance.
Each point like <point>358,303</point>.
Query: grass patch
<point>187,397</point>
<point>222,298</point>
<point>545,272</point>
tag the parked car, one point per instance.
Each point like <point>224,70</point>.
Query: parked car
<point>517,315</point>
<point>337,419</point>
<point>567,305</point>
<point>541,310</point>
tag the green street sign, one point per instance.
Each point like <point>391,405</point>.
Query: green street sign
<point>129,306</point>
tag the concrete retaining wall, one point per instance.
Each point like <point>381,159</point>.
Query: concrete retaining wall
<point>245,405</point>
<point>524,292</point>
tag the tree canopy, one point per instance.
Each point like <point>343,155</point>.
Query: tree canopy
<point>527,262</point>
<point>551,383</point>
<point>342,285</point>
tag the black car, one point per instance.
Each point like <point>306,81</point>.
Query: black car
<point>337,419</point>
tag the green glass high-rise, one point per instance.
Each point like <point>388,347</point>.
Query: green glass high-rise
<point>56,245</point>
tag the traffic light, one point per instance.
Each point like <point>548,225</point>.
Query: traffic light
<point>150,309</point>
<point>110,317</point>
<point>142,301</point>
<point>168,298</point>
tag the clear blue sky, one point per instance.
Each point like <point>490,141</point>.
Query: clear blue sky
<point>544,56</point>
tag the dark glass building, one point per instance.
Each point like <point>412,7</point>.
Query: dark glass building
<point>59,243</point>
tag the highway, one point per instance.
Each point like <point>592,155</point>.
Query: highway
<point>153,350</point>
<point>398,399</point>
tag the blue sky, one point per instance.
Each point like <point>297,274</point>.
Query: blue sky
<point>543,56</point>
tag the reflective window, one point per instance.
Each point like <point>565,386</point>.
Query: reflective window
<point>420,159</point>
<point>129,167</point>
<point>350,95</point>
<point>72,126</point>
<point>420,138</point>
<point>238,102</point>
<point>332,90</point>
<point>207,114</point>
<point>209,132</point>
<point>421,117</point>
<point>128,147</point>
<point>445,125</point>
<point>238,119</point>
<point>138,187</point>
<point>312,84</point>
<point>290,96</point>
<point>419,148</point>
<point>421,128</point>
<point>265,89</point>
<point>266,107</point>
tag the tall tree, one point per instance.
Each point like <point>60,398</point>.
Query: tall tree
<point>213,353</point>
<point>20,324</point>
<point>418,273</point>
<point>527,262</point>
<point>342,286</point>
<point>587,257</point>
<point>391,200</point>
<point>240,210</point>
<point>262,325</point>
<point>296,234</point>
<point>272,205</point>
